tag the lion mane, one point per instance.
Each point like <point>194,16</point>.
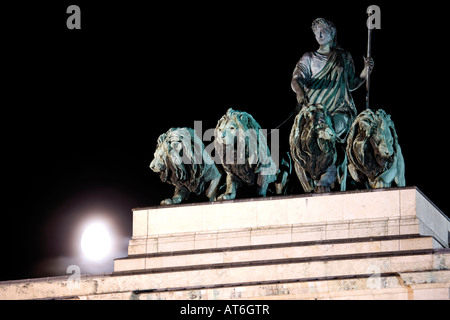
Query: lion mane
<point>179,159</point>
<point>374,154</point>
<point>313,149</point>
<point>242,149</point>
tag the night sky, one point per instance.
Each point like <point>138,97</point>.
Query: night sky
<point>82,109</point>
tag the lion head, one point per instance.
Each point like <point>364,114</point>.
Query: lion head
<point>242,146</point>
<point>312,140</point>
<point>372,145</point>
<point>179,159</point>
<point>229,126</point>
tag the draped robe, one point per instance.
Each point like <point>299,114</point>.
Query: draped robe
<point>328,79</point>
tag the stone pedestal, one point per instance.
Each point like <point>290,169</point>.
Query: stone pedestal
<point>377,244</point>
<point>349,215</point>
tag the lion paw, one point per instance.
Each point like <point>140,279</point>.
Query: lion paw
<point>174,200</point>
<point>226,196</point>
<point>166,202</point>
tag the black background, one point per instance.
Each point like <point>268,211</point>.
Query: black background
<point>82,109</point>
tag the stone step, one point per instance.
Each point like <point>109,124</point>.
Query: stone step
<point>393,286</point>
<point>306,270</point>
<point>329,231</point>
<point>344,270</point>
<point>274,251</point>
<point>289,270</point>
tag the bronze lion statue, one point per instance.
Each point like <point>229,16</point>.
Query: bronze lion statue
<point>181,161</point>
<point>242,149</point>
<point>313,149</point>
<point>374,156</point>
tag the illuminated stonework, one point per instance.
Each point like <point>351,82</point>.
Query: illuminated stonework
<point>377,244</point>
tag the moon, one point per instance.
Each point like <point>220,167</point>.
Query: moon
<point>96,241</point>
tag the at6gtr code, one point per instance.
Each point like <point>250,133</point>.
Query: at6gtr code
<point>246,309</point>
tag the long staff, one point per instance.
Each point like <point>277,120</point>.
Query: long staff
<point>369,48</point>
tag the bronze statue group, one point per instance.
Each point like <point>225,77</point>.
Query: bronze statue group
<point>329,143</point>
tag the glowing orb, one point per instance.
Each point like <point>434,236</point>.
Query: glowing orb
<point>96,241</point>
